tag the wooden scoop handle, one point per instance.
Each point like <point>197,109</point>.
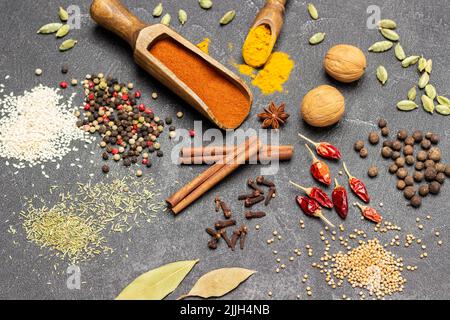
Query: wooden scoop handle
<point>112,15</point>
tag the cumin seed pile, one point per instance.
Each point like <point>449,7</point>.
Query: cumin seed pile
<point>75,228</point>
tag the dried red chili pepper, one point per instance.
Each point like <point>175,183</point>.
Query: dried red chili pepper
<point>319,169</point>
<point>357,186</point>
<point>340,200</point>
<point>311,208</point>
<point>370,213</point>
<point>317,194</point>
<point>324,149</point>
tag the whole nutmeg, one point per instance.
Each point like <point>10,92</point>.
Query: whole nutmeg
<point>345,63</point>
<point>322,106</point>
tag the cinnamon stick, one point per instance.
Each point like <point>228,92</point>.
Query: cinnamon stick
<point>209,178</point>
<point>218,150</point>
<point>283,153</point>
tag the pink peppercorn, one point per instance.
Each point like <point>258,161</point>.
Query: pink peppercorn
<point>87,107</point>
<point>115,151</point>
<point>137,94</point>
<point>149,143</point>
<point>124,97</point>
<point>120,107</point>
<point>192,133</point>
<point>144,161</point>
<point>141,107</point>
<point>148,111</point>
<point>63,84</point>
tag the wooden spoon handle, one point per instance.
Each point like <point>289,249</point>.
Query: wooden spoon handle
<point>112,15</point>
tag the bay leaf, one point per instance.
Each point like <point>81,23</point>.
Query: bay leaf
<point>156,284</point>
<point>219,282</point>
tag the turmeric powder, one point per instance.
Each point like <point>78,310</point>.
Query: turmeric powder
<point>274,74</point>
<point>204,45</point>
<point>258,46</point>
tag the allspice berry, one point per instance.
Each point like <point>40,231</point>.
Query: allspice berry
<point>359,144</point>
<point>424,190</point>
<point>429,163</point>
<point>363,153</point>
<point>434,138</point>
<point>435,187</point>
<point>401,184</point>
<point>416,201</point>
<point>396,145</point>
<point>440,167</point>
<point>434,154</point>
<point>382,123</point>
<point>402,173</point>
<point>409,141</point>
<point>410,160</point>
<point>419,165</point>
<point>430,174</point>
<point>428,135</point>
<point>422,155</point>
<point>447,170</point>
<point>409,192</point>
<point>408,150</point>
<point>387,143</point>
<point>418,176</point>
<point>409,180</point>
<point>425,144</point>
<point>385,131</point>
<point>400,162</point>
<point>372,171</point>
<point>393,168</point>
<point>386,152</point>
<point>402,134</point>
<point>345,63</point>
<point>395,155</point>
<point>440,177</point>
<point>374,138</point>
<point>418,136</point>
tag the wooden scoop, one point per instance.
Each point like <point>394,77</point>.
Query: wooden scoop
<point>112,15</point>
<point>272,15</point>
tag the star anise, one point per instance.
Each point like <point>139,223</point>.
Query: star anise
<point>273,116</point>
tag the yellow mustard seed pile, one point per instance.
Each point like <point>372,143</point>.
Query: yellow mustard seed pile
<point>75,227</point>
<point>369,266</point>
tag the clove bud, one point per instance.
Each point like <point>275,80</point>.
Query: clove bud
<point>264,181</point>
<point>226,210</point>
<point>251,201</point>
<point>254,214</point>
<point>252,184</point>
<point>234,238</point>
<point>254,194</point>
<point>212,244</point>
<point>223,234</point>
<point>224,224</point>
<point>217,203</point>
<point>243,236</point>
<point>271,194</point>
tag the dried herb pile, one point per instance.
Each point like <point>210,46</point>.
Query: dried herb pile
<point>76,227</point>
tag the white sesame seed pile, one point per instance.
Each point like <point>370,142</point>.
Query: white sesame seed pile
<point>36,128</point>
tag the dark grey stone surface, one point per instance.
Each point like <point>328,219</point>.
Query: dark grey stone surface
<point>424,29</point>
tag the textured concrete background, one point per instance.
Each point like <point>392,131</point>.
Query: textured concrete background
<point>424,28</point>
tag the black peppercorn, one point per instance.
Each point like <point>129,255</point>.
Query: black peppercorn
<point>385,132</point>
<point>435,187</point>
<point>410,160</point>
<point>372,171</point>
<point>409,192</point>
<point>105,168</point>
<point>421,155</point>
<point>418,136</point>
<point>386,152</point>
<point>374,138</point>
<point>382,123</point>
<point>363,153</point>
<point>393,168</point>
<point>402,173</point>
<point>430,174</point>
<point>65,68</point>
<point>402,134</point>
<point>409,180</point>
<point>359,144</point>
<point>396,145</point>
<point>416,201</point>
<point>105,156</point>
<point>127,162</point>
<point>418,176</point>
<point>401,184</point>
<point>172,128</point>
<point>434,138</point>
<point>425,144</point>
<point>400,162</point>
<point>159,153</point>
<point>424,190</point>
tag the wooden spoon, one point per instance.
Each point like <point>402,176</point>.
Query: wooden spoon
<point>112,15</point>
<point>272,15</point>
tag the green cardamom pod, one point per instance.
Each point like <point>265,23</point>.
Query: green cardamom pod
<point>50,28</point>
<point>313,11</point>
<point>205,4</point>
<point>67,45</point>
<point>158,10</point>
<point>422,64</point>
<point>387,24</point>
<point>410,61</point>
<point>182,16</point>
<point>227,17</point>
<point>381,46</point>
<point>429,66</point>
<point>63,31</point>
<point>382,74</point>
<point>430,90</point>
<point>399,52</point>
<point>317,38</point>
<point>443,100</point>
<point>427,103</point>
<point>407,105</point>
<point>412,93</point>
<point>63,15</point>
<point>390,34</point>
<point>424,79</point>
<point>166,19</point>
<point>443,109</point>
